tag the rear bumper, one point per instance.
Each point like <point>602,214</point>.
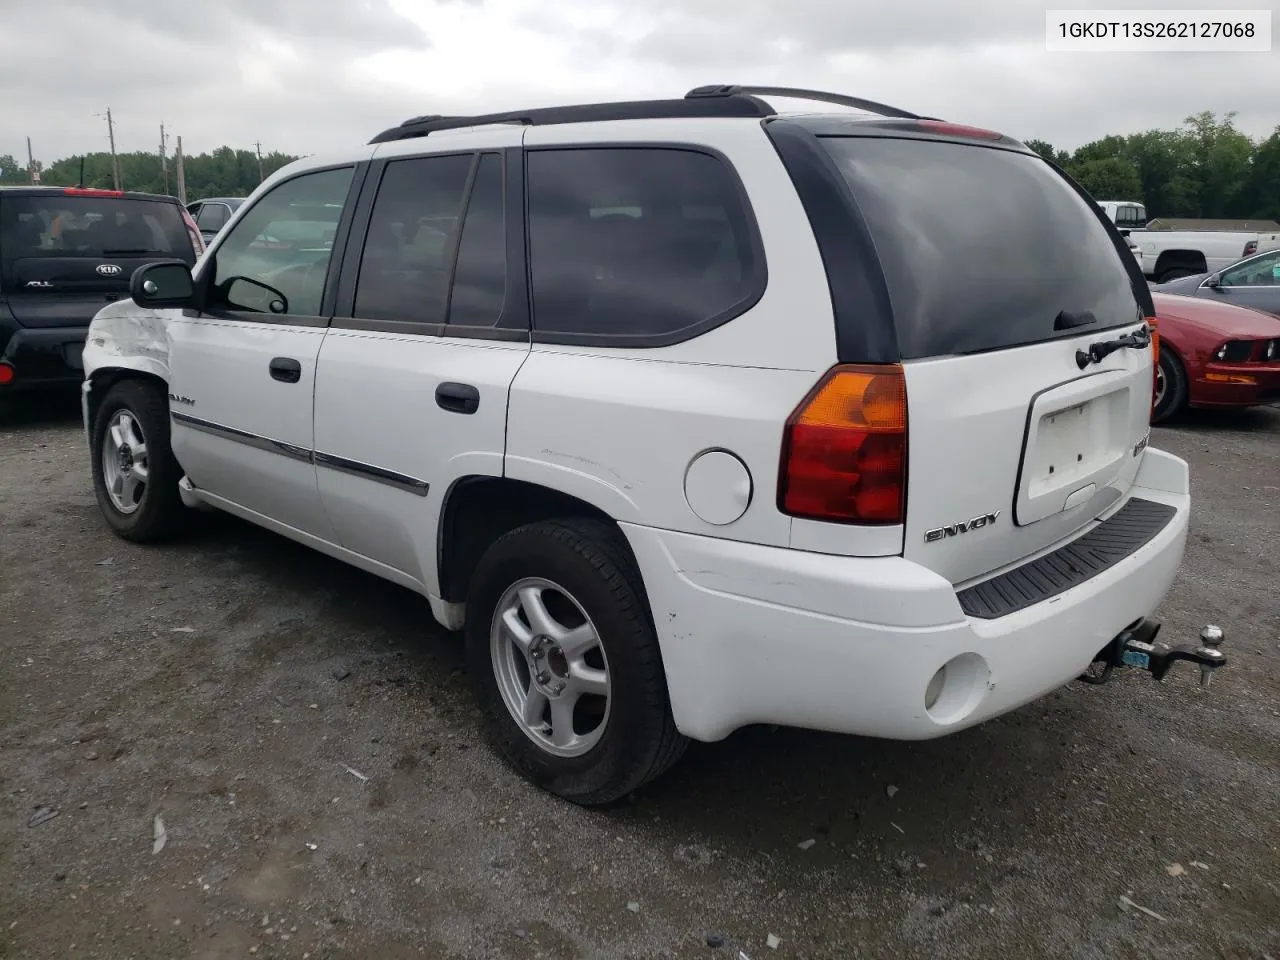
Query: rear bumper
<point>44,357</point>
<point>1236,385</point>
<point>754,634</point>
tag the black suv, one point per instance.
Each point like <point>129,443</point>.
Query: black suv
<point>65,252</point>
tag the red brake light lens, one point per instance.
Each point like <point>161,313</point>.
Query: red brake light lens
<point>197,238</point>
<point>958,130</point>
<point>7,374</point>
<point>844,449</point>
<point>91,192</point>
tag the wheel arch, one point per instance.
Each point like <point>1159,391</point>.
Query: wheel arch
<point>478,509</point>
<point>102,379</point>
<point>1191,259</point>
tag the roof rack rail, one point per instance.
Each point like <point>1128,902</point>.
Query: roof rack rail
<point>743,105</point>
<point>738,90</point>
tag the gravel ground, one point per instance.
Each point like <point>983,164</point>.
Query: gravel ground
<point>242,688</point>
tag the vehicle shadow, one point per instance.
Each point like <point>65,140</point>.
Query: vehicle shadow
<point>844,792</point>
<point>43,409</point>
<point>1235,420</point>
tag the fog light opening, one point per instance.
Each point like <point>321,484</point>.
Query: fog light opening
<point>957,688</point>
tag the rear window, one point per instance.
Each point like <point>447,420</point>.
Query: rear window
<point>91,227</point>
<point>982,248</point>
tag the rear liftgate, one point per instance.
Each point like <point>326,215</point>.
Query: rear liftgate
<point>1136,647</point>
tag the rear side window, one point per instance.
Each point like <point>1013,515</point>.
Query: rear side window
<point>405,265</point>
<point>96,228</point>
<point>648,244</point>
<point>982,248</point>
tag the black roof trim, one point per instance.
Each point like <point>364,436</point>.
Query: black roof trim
<point>799,93</point>
<point>729,106</point>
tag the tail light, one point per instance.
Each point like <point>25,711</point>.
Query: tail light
<point>197,238</point>
<point>7,374</point>
<point>844,449</point>
<point>1250,248</point>
<point>91,192</point>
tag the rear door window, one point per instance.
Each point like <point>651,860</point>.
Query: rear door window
<point>649,244</point>
<point>982,248</point>
<point>480,278</point>
<point>408,251</point>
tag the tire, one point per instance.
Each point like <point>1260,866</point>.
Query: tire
<point>157,511</point>
<point>1173,399</point>
<point>587,582</point>
<point>1176,273</point>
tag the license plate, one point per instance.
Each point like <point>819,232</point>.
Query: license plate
<point>1073,444</point>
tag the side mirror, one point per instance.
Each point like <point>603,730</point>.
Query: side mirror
<point>1214,281</point>
<point>164,284</point>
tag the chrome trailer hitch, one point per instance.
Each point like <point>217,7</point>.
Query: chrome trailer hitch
<point>1137,647</point>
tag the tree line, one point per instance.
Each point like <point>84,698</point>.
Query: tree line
<point>1205,168</point>
<point>226,172</point>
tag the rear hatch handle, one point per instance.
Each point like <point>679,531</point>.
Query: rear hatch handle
<point>1097,352</point>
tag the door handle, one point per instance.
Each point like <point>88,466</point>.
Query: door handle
<point>458,397</point>
<point>285,369</point>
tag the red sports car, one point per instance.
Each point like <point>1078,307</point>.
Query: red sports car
<point>1214,355</point>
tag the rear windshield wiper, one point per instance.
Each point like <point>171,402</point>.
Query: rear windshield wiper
<point>1104,348</point>
<point>1066,320</point>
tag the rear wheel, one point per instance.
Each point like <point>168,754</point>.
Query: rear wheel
<point>135,475</point>
<point>1171,387</point>
<point>561,643</point>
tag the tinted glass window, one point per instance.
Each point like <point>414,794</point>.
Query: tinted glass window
<point>480,279</point>
<point>212,216</point>
<point>636,241</point>
<point>404,269</point>
<point>1262,271</point>
<point>282,246</point>
<point>982,248</point>
<point>98,228</point>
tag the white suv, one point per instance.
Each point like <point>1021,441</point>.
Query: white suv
<point>692,414</point>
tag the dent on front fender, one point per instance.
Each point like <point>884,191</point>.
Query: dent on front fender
<point>125,336</point>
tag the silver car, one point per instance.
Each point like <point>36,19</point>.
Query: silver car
<point>1251,282</point>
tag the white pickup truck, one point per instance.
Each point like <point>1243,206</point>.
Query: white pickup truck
<point>1166,255</point>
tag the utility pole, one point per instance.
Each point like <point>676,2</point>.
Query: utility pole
<point>182,179</point>
<point>258,147</point>
<point>164,161</point>
<point>32,172</point>
<point>115,161</point>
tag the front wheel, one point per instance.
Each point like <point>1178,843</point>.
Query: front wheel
<point>1171,387</point>
<point>135,475</point>
<point>562,646</point>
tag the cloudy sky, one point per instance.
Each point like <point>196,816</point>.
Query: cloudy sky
<point>307,76</point>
